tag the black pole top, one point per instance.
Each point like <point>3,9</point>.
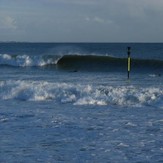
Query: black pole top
<point>129,48</point>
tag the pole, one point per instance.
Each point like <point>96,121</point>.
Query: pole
<point>129,62</point>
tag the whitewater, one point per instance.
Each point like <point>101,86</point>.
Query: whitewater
<point>72,102</point>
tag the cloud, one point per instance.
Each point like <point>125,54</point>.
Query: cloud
<point>75,2</point>
<point>99,20</point>
<point>95,19</point>
<point>104,20</point>
<point>7,22</point>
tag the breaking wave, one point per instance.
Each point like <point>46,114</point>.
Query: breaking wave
<point>27,60</point>
<point>80,62</point>
<point>125,96</point>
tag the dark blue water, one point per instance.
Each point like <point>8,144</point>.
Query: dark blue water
<point>53,114</point>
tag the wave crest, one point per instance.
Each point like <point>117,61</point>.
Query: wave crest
<point>26,60</point>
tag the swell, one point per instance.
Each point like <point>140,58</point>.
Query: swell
<point>106,63</point>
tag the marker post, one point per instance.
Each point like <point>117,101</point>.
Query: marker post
<point>129,62</point>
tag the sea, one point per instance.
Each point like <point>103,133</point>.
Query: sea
<point>75,103</point>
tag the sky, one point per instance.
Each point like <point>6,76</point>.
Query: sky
<point>81,20</point>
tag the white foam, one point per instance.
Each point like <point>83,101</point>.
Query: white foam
<point>127,96</point>
<point>26,60</point>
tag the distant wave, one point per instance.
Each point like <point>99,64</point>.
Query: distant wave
<point>81,94</point>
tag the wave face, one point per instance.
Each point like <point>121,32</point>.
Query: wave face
<point>123,96</point>
<point>106,63</point>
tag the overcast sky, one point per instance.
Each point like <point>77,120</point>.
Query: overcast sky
<point>81,20</point>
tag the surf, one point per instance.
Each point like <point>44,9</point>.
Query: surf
<point>27,60</point>
<point>81,94</point>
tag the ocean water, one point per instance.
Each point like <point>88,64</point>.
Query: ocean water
<point>73,103</point>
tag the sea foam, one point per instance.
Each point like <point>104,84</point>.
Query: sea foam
<point>79,94</point>
<point>27,60</point>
